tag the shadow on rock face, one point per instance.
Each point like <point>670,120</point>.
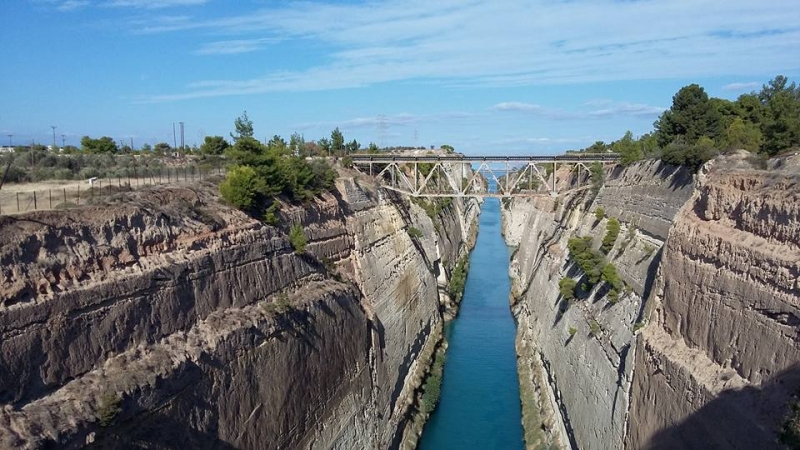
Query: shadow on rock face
<point>750,418</point>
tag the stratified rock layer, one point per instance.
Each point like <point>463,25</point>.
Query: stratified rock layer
<point>210,330</point>
<point>716,260</point>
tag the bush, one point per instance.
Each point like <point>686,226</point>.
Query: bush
<point>108,407</point>
<point>594,328</point>
<point>347,162</point>
<point>649,249</point>
<point>599,214</point>
<point>280,306</point>
<point>414,232</point>
<point>298,239</point>
<point>790,430</point>
<point>433,385</point>
<point>572,331</point>
<point>455,287</point>
<point>692,156</point>
<point>612,232</point>
<point>590,262</point>
<point>271,215</point>
<point>566,287</point>
<point>241,187</point>
<point>609,275</point>
<point>638,326</point>
<point>597,175</point>
<point>613,296</point>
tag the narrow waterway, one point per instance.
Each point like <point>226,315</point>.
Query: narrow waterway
<point>480,407</point>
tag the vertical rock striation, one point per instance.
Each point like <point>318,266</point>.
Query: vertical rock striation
<point>184,322</point>
<point>702,349</point>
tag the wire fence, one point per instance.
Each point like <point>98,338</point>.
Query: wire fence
<point>48,196</point>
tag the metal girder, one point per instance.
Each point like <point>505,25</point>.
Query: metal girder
<point>444,181</point>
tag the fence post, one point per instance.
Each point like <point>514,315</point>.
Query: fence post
<point>51,199</point>
<point>79,194</point>
<point>65,197</point>
<point>17,201</point>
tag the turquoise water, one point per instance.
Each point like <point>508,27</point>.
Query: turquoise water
<point>480,407</point>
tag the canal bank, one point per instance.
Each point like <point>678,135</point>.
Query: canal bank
<point>479,405</point>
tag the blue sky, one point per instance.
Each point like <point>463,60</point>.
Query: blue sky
<point>526,77</point>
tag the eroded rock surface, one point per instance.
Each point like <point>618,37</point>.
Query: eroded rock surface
<point>209,330</point>
<point>702,350</point>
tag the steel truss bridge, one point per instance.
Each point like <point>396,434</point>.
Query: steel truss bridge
<point>467,176</point>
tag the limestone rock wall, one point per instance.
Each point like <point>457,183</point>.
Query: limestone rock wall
<point>576,358</point>
<point>209,329</point>
<point>725,315</point>
<point>702,350</point>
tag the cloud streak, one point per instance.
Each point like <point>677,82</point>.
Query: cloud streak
<point>602,109</point>
<point>741,87</point>
<point>235,47</point>
<point>480,43</point>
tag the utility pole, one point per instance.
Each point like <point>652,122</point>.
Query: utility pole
<point>174,139</point>
<point>131,142</point>
<point>63,140</point>
<point>182,146</point>
<point>54,136</point>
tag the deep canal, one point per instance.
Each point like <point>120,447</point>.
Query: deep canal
<point>480,407</point>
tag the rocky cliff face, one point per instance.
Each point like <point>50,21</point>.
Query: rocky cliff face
<point>169,319</point>
<point>719,360</point>
<point>701,349</point>
<point>575,358</point>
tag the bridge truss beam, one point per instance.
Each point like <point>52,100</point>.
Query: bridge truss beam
<point>459,178</point>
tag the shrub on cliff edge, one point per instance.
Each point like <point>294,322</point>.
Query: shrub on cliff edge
<point>612,232</point>
<point>298,239</point>
<point>566,287</point>
<point>241,186</point>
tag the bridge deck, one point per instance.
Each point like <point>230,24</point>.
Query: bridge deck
<point>588,157</point>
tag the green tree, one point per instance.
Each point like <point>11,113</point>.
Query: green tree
<point>278,143</point>
<point>597,176</point>
<point>750,108</point>
<point>629,150</point>
<point>691,116</point>
<point>373,148</point>
<point>95,146</point>
<point>241,187</point>
<point>597,147</point>
<point>214,145</point>
<point>162,148</point>
<point>325,145</point>
<point>297,144</point>
<point>337,141</point>
<point>566,287</point>
<point>244,127</point>
<point>609,275</point>
<point>612,232</point>
<point>352,146</point>
<point>298,239</point>
<point>448,148</point>
<point>742,135</point>
<point>781,119</point>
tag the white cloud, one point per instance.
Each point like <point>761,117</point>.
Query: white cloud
<point>71,5</point>
<point>234,47</point>
<point>627,109</point>
<point>741,87</point>
<point>485,43</point>
<point>517,106</point>
<point>601,109</point>
<point>153,4</point>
